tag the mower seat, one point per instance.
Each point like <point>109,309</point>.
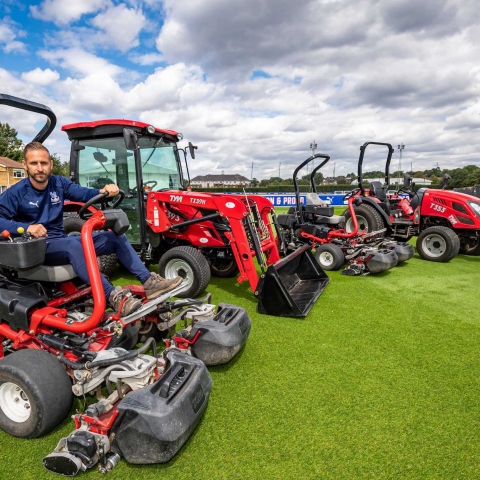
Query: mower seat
<point>379,191</point>
<point>313,199</point>
<point>48,273</point>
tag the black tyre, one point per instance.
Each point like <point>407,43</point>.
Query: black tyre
<point>35,393</point>
<point>107,263</point>
<point>330,257</point>
<point>470,246</point>
<point>438,244</point>
<point>190,264</point>
<point>367,217</point>
<point>224,268</point>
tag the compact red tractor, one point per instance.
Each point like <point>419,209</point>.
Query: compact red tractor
<point>58,340</point>
<point>445,222</point>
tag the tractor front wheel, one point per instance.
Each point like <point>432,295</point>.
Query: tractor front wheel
<point>330,257</point>
<point>438,244</point>
<point>190,264</point>
<point>35,393</point>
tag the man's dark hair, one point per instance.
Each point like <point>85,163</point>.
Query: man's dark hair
<point>34,146</point>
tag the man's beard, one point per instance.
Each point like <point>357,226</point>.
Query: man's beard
<point>40,177</point>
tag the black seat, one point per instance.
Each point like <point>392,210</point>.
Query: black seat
<point>379,191</point>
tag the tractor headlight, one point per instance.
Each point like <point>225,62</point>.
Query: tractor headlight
<point>179,136</point>
<point>475,207</point>
<point>151,129</point>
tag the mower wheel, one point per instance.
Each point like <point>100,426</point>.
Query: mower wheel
<point>224,268</point>
<point>438,244</point>
<point>73,226</point>
<point>367,217</point>
<point>190,264</point>
<point>330,257</point>
<point>35,393</point>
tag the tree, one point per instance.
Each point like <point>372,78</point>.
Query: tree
<point>59,167</point>
<point>255,182</point>
<point>10,146</point>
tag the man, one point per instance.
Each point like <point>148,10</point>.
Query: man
<point>36,205</point>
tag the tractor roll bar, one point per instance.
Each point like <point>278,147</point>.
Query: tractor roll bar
<point>295,183</point>
<point>23,104</point>
<point>387,164</point>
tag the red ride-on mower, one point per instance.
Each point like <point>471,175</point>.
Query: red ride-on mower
<point>444,222</point>
<point>316,223</point>
<point>56,338</point>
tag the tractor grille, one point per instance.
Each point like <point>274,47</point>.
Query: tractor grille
<point>439,200</point>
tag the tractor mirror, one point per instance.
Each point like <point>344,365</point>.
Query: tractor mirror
<point>100,157</point>
<point>446,178</point>
<point>192,149</point>
<point>129,137</point>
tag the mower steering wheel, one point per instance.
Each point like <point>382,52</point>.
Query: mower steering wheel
<point>351,194</point>
<point>101,197</point>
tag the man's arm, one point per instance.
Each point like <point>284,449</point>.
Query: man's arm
<point>9,204</point>
<point>77,193</point>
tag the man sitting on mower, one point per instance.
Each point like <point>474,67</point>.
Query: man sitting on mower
<point>35,204</point>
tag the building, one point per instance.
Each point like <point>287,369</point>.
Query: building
<point>395,180</point>
<point>212,181</point>
<point>11,172</point>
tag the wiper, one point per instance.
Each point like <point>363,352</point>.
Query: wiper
<point>153,151</point>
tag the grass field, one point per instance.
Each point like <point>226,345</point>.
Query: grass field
<point>381,380</point>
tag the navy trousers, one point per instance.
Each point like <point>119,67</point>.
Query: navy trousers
<point>61,251</point>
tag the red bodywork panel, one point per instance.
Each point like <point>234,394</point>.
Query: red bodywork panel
<point>440,203</point>
<point>165,210</point>
<point>127,123</point>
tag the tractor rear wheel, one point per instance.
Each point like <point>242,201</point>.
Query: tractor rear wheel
<point>73,226</point>
<point>35,393</point>
<point>438,244</point>
<point>367,217</point>
<point>190,264</point>
<point>330,257</point>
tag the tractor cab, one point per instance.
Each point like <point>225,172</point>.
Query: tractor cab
<point>99,156</point>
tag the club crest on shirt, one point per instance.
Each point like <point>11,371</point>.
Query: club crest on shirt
<point>54,198</point>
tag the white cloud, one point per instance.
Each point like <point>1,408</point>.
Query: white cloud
<point>148,59</point>
<point>41,77</point>
<point>64,12</point>
<point>8,38</point>
<point>80,61</point>
<point>120,27</point>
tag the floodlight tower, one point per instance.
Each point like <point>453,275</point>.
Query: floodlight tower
<point>401,147</point>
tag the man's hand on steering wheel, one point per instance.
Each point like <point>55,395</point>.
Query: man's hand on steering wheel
<point>111,189</point>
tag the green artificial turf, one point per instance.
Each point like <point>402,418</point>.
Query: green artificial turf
<point>381,380</point>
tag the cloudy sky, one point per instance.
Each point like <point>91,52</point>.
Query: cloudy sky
<point>256,80</point>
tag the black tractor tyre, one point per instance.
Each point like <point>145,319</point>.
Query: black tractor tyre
<point>224,268</point>
<point>330,257</point>
<point>190,264</point>
<point>35,393</point>
<point>368,219</point>
<point>107,263</point>
<point>438,244</point>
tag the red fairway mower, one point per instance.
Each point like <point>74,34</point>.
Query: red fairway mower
<point>58,340</point>
<point>316,224</point>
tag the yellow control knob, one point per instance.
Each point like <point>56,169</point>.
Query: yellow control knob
<point>21,230</point>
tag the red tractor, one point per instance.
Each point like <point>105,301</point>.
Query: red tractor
<point>58,340</point>
<point>445,222</point>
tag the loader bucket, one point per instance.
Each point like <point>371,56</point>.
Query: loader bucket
<point>291,286</point>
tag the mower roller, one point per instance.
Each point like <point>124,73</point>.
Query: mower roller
<point>445,222</point>
<point>316,224</point>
